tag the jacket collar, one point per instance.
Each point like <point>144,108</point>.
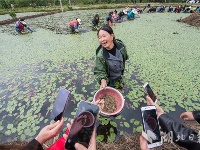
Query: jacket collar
<point>105,52</point>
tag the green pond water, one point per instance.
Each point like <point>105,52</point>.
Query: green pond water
<point>33,67</point>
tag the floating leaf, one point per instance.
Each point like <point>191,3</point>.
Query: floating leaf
<point>8,132</point>
<point>132,120</point>
<point>139,129</point>
<point>10,126</point>
<point>73,113</point>
<point>13,130</point>
<point>121,132</point>
<point>100,138</point>
<point>136,123</point>
<point>113,123</point>
<point>112,137</point>
<point>118,117</point>
<point>1,128</point>
<point>126,124</point>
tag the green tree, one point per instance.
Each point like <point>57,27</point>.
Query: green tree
<point>4,4</point>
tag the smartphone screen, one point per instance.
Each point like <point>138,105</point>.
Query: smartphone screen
<point>83,125</point>
<point>150,92</point>
<point>151,126</point>
<point>60,104</point>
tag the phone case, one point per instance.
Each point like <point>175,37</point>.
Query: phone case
<point>60,104</point>
<point>149,91</point>
<point>151,126</point>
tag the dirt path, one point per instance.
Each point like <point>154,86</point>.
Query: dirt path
<point>193,19</point>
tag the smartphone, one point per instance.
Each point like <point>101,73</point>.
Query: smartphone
<point>151,126</point>
<point>150,92</point>
<point>60,104</point>
<point>83,125</point>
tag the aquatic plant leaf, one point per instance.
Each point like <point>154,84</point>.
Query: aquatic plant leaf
<point>13,130</point>
<point>118,117</point>
<point>113,123</point>
<point>10,126</point>
<point>136,122</point>
<point>112,135</point>
<point>139,129</point>
<point>8,132</point>
<point>132,120</point>
<point>121,132</point>
<point>73,113</point>
<point>1,128</point>
<point>100,138</point>
<point>126,124</point>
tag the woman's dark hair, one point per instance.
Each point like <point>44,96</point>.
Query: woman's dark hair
<point>110,13</point>
<point>97,15</point>
<point>107,29</point>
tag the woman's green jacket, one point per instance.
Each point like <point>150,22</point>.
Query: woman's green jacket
<point>101,68</point>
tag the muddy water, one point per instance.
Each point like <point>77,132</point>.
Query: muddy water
<point>33,67</point>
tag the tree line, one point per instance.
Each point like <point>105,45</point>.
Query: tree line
<point>48,3</point>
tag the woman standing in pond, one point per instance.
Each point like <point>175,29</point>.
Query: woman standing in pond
<point>110,59</point>
<point>95,23</point>
<point>109,19</point>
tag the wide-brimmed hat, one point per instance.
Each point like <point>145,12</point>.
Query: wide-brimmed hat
<point>79,21</point>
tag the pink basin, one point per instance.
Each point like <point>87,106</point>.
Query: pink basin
<point>114,93</point>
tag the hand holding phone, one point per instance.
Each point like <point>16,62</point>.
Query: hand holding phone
<point>150,92</point>
<point>83,126</point>
<point>60,104</point>
<point>151,126</point>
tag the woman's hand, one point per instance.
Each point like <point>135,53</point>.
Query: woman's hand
<point>103,84</point>
<point>143,143</point>
<point>92,144</point>
<point>160,111</point>
<point>187,116</point>
<point>100,103</point>
<point>49,131</point>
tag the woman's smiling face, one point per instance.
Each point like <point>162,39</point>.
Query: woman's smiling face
<point>106,39</point>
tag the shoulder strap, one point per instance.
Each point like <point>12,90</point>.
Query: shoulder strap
<point>120,42</point>
<point>97,50</point>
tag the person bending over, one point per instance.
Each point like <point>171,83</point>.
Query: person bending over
<point>74,24</point>
<point>20,25</point>
<point>109,19</point>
